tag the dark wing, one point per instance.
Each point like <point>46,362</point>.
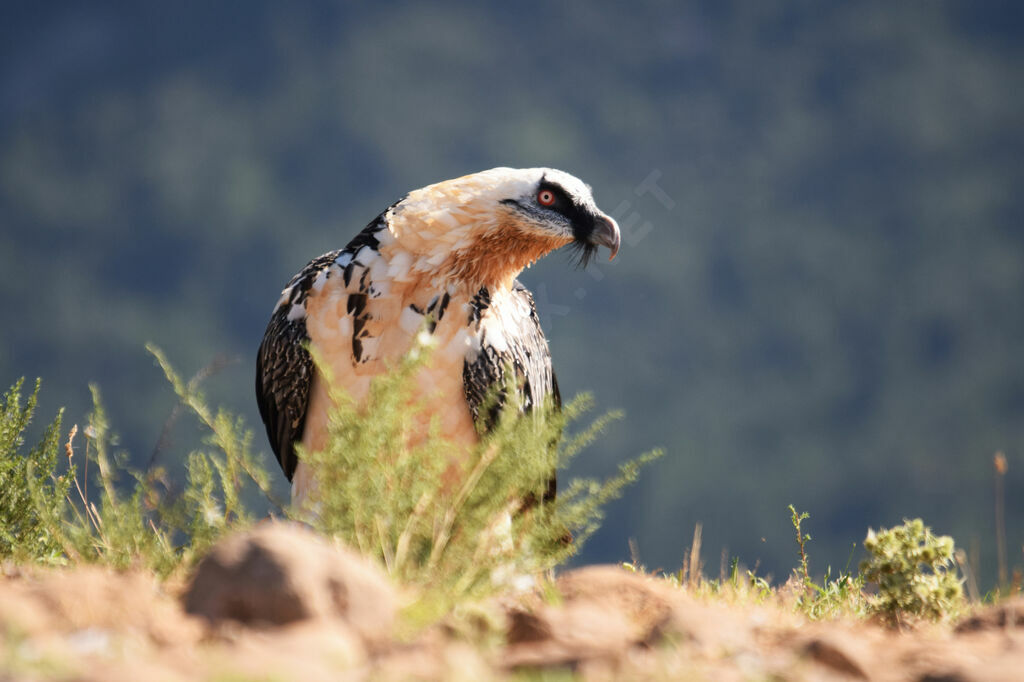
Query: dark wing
<point>284,367</point>
<point>526,352</point>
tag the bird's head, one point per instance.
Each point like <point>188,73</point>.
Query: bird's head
<point>484,228</point>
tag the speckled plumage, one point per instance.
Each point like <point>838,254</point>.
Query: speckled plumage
<point>443,260</point>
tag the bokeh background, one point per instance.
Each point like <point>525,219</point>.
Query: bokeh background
<point>819,300</point>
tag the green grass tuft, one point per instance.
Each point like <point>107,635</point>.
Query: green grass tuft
<point>912,569</point>
<point>832,597</point>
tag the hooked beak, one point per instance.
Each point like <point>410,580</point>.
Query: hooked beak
<point>606,233</point>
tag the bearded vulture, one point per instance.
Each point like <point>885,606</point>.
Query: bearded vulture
<point>442,260</point>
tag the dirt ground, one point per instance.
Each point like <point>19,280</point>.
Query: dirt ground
<point>276,605</point>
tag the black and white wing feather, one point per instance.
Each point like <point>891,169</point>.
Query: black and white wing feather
<point>284,367</point>
<point>524,350</point>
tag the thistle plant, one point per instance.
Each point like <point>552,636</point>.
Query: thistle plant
<point>914,571</point>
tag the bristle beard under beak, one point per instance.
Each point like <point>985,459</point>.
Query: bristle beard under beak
<point>583,253</point>
<point>605,233</point>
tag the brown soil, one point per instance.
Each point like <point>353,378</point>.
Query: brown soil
<point>90,623</point>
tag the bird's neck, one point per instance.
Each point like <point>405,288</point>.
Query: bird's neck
<point>468,256</point>
<point>495,259</point>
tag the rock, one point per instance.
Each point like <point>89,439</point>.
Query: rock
<point>280,573</point>
<point>575,633</point>
<point>654,608</point>
<point>307,650</point>
<point>943,676</point>
<point>527,626</point>
<point>604,610</point>
<point>608,615</point>
<point>92,598</point>
<point>432,656</point>
<point>647,603</point>
<point>1007,614</point>
<point>833,653</point>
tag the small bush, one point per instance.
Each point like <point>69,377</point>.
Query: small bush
<point>914,572</point>
<point>450,523</point>
<point>25,528</point>
<point>106,520</point>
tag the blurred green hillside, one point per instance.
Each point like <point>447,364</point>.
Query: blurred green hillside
<point>819,299</point>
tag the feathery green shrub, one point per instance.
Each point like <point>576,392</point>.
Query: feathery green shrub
<point>50,513</point>
<point>25,528</point>
<point>454,524</point>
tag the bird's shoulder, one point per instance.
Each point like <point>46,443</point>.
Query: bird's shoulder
<point>284,366</point>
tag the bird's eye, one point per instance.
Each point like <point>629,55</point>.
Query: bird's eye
<point>545,197</point>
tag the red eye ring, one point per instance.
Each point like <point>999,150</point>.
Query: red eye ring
<point>546,197</point>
